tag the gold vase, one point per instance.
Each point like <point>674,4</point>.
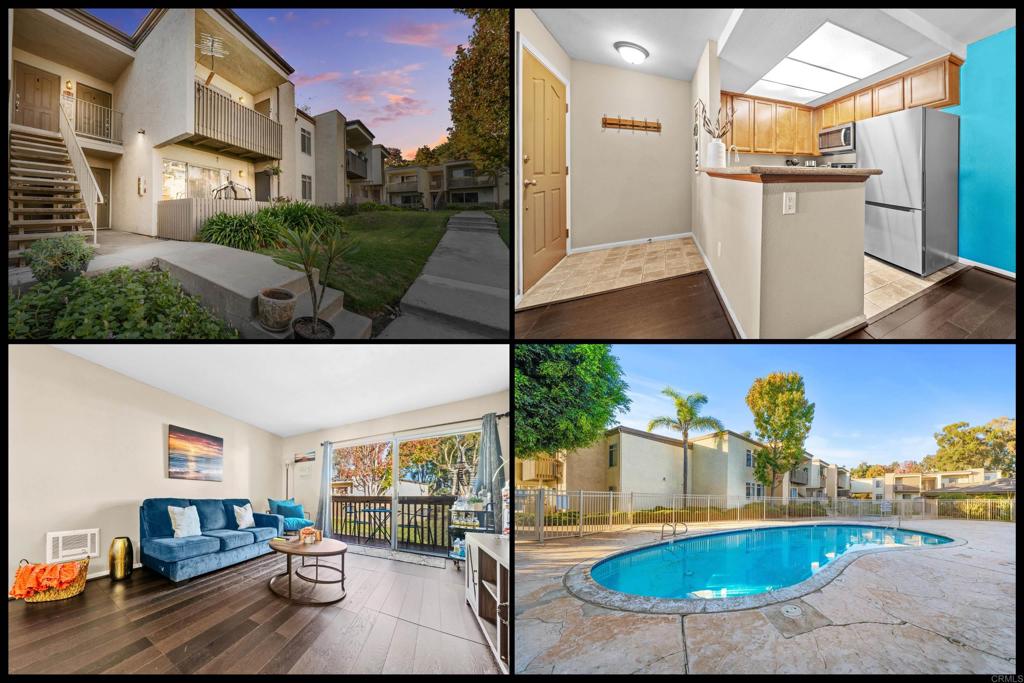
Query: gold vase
<point>121,558</point>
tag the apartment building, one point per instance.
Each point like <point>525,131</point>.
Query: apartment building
<point>816,478</point>
<point>892,486</point>
<point>454,182</point>
<point>137,133</point>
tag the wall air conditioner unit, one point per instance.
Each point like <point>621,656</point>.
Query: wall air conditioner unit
<point>63,546</point>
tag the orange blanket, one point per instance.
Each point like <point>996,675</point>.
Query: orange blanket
<point>35,578</point>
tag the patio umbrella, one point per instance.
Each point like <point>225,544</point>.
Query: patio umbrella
<point>490,474</point>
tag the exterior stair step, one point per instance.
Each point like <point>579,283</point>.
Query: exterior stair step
<point>411,326</point>
<point>481,309</point>
<point>18,152</point>
<point>474,228</point>
<point>25,199</point>
<point>47,210</point>
<point>38,139</point>
<point>40,181</point>
<point>17,129</point>
<point>27,146</point>
<point>30,163</point>
<point>43,173</point>
<point>40,144</point>
<point>43,222</point>
<point>30,236</point>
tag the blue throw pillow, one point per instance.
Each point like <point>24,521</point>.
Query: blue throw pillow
<point>290,510</point>
<point>272,504</point>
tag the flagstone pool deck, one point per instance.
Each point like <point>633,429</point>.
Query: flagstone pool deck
<point>934,610</point>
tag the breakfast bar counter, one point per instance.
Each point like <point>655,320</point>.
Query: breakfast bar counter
<point>790,174</point>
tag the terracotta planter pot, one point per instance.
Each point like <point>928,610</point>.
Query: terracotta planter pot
<point>276,307</point>
<point>303,329</point>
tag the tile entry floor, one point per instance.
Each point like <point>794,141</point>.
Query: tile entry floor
<point>593,272</point>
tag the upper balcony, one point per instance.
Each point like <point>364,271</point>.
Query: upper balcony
<point>399,186</point>
<point>355,166</point>
<point>227,127</point>
<point>462,182</point>
<point>906,488</point>
<point>94,121</point>
<point>798,477</point>
<point>541,470</point>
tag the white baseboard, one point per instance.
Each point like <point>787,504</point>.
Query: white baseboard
<point>519,297</point>
<point>106,572</point>
<point>626,243</point>
<point>985,266</point>
<point>721,292</point>
<point>836,329</point>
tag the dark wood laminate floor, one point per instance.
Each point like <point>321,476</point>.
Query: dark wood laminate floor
<point>684,307</point>
<point>971,305</point>
<point>397,618</point>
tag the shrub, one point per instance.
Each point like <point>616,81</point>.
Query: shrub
<point>300,215</point>
<point>504,204</point>
<point>49,258</point>
<point>250,231</point>
<point>121,304</point>
<point>346,209</point>
<point>374,206</point>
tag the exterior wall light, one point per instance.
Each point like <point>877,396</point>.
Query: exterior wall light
<point>631,52</point>
<point>141,131</point>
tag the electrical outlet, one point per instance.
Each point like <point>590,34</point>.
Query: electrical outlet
<point>788,203</point>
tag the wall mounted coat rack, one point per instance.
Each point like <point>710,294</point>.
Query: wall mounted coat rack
<point>631,124</point>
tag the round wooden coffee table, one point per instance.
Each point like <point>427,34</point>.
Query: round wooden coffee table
<point>325,548</point>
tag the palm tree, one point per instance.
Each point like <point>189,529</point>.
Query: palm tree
<point>687,417</point>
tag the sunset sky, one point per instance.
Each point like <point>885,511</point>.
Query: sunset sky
<point>388,68</point>
<point>183,441</point>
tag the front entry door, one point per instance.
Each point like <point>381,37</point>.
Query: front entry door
<point>36,97</point>
<point>102,176</point>
<point>263,186</point>
<point>544,171</point>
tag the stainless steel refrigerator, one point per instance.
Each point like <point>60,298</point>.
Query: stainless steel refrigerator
<point>911,214</point>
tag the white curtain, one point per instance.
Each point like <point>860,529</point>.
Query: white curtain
<point>323,509</point>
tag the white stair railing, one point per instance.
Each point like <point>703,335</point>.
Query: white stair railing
<point>87,185</point>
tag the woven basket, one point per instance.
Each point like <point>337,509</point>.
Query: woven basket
<point>63,593</point>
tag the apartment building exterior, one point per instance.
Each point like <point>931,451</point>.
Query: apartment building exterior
<point>816,478</point>
<point>893,486</point>
<point>454,182</point>
<point>137,132</point>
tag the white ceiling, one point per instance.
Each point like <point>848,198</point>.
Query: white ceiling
<point>675,38</point>
<point>759,40</point>
<point>290,389</point>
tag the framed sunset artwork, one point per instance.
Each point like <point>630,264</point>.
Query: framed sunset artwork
<point>194,455</point>
<point>308,456</point>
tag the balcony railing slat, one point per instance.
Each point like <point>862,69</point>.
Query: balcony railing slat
<point>93,120</point>
<point>422,521</point>
<point>222,119</point>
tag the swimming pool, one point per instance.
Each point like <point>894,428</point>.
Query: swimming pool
<point>744,562</point>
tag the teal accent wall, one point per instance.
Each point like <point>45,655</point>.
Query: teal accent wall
<point>988,156</point>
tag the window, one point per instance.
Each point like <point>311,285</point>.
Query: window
<point>613,459</point>
<point>755,490</point>
<point>307,188</point>
<point>793,493</point>
<point>465,197</point>
<point>750,458</point>
<point>175,180</point>
<point>878,496</point>
<point>410,199</point>
<point>306,140</point>
<point>182,180</point>
<point>878,483</point>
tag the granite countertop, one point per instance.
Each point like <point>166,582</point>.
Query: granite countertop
<point>791,170</point>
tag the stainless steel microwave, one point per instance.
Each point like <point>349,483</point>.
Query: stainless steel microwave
<point>836,139</point>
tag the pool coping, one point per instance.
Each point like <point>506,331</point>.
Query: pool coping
<point>578,582</point>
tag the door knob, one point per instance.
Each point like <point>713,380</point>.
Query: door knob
<point>527,183</point>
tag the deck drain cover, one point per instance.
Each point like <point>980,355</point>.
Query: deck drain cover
<point>792,611</point>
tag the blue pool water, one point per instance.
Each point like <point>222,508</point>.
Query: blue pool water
<point>743,562</point>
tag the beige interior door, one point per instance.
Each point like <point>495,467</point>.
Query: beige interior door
<point>544,171</point>
<point>36,97</point>
<point>102,176</point>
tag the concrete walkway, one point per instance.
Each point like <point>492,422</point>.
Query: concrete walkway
<point>929,611</point>
<point>463,291</point>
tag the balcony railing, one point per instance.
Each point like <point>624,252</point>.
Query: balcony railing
<point>541,470</point>
<point>478,181</point>
<point>231,128</point>
<point>797,477</point>
<point>355,165</point>
<point>408,186</point>
<point>907,488</point>
<point>92,120</point>
<point>422,521</point>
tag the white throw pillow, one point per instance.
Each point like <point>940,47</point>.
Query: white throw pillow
<point>243,515</point>
<point>185,521</point>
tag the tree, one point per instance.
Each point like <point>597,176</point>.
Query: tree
<point>908,467</point>
<point>432,461</point>
<point>566,396</point>
<point>687,417</point>
<point>893,467</point>
<point>426,157</point>
<point>860,471</point>
<point>393,157</point>
<point>961,446</point>
<point>479,88</point>
<point>367,466</point>
<point>875,471</point>
<point>782,420</point>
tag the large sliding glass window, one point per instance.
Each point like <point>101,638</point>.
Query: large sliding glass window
<point>182,180</point>
<point>361,487</point>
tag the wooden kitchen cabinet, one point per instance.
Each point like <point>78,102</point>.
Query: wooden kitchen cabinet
<point>805,136</point>
<point>844,110</point>
<point>862,106</point>
<point>742,124</point>
<point>887,97</point>
<point>828,115</point>
<point>925,86</point>
<point>785,129</point>
<point>764,126</point>
<point>723,115</point>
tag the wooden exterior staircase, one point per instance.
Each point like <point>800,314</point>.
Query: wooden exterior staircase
<point>44,197</point>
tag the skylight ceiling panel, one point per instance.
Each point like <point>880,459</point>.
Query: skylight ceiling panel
<point>779,91</point>
<point>798,74</point>
<point>840,50</point>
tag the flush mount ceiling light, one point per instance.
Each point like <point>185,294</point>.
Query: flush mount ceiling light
<point>631,52</point>
<point>831,58</point>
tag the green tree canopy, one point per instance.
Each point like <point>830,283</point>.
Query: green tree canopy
<point>393,157</point>
<point>566,396</point>
<point>782,420</point>
<point>992,446</point>
<point>861,470</point>
<point>875,471</point>
<point>687,416</point>
<point>479,86</point>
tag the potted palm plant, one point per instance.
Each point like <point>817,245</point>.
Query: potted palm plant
<point>312,250</point>
<point>717,130</point>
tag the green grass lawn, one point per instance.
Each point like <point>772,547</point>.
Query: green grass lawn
<point>501,216</point>
<point>391,248</point>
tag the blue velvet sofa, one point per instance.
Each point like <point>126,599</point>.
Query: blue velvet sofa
<point>221,543</point>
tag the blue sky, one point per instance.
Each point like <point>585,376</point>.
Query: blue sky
<point>872,402</point>
<point>388,68</point>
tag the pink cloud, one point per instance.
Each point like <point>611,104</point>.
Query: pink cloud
<point>399,106</point>
<point>291,16</point>
<point>363,86</point>
<point>318,78</point>
<point>272,20</point>
<point>421,35</point>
